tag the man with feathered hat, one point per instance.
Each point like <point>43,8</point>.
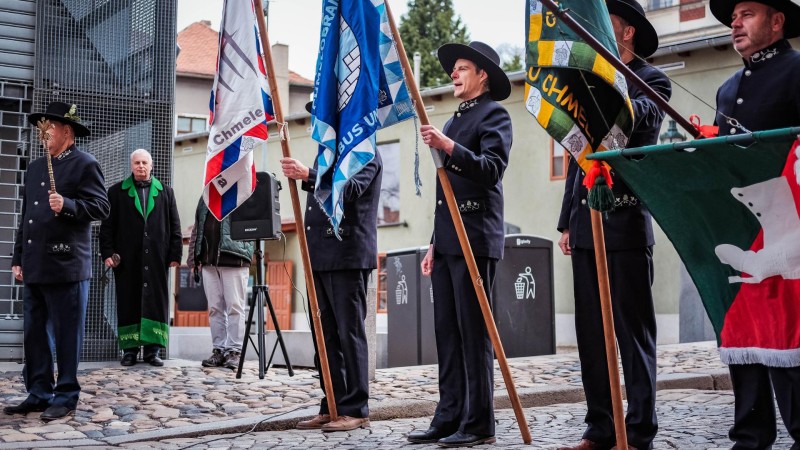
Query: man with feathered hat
<point>52,256</point>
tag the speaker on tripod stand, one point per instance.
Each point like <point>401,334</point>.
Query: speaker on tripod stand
<point>256,219</point>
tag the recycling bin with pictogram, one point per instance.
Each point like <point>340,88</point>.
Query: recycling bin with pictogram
<point>523,298</point>
<point>409,315</point>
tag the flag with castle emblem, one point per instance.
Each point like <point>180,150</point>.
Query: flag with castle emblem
<point>240,108</point>
<point>577,96</point>
<point>733,214</point>
<point>359,88</point>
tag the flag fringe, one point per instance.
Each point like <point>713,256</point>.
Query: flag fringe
<point>766,356</point>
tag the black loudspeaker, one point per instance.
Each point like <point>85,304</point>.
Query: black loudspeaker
<point>259,217</point>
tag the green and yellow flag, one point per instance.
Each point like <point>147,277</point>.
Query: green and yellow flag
<point>579,98</point>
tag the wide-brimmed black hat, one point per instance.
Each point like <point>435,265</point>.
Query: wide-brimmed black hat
<point>64,113</point>
<point>723,10</point>
<point>485,58</point>
<point>645,38</point>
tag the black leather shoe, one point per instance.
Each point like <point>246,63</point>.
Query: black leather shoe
<point>56,412</point>
<point>25,407</point>
<point>428,436</point>
<point>154,361</point>
<point>461,439</point>
<point>128,359</point>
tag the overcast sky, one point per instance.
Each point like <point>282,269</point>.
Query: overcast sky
<point>296,23</point>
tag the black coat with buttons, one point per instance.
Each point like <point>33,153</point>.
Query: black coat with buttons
<point>57,248</point>
<point>358,229</point>
<point>764,94</point>
<point>629,226</point>
<point>482,133</point>
<point>147,237</point>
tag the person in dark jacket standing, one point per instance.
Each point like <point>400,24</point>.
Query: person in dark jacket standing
<point>225,268</point>
<point>629,249</point>
<point>762,95</point>
<point>52,255</point>
<point>141,240</point>
<point>341,273</point>
<point>474,145</point>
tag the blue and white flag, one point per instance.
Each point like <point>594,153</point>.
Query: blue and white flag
<point>358,89</point>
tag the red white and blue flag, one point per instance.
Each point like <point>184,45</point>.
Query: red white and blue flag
<point>240,107</point>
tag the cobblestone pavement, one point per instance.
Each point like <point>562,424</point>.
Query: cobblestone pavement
<point>120,402</point>
<point>689,419</point>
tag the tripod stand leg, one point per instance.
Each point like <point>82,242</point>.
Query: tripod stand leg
<point>260,305</point>
<point>244,342</point>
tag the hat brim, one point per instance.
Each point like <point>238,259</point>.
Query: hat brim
<point>723,10</point>
<point>499,84</point>
<point>645,38</point>
<point>80,130</point>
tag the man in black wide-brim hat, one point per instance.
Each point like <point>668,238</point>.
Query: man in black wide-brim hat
<point>764,94</point>
<point>629,252</point>
<point>52,256</point>
<point>474,146</point>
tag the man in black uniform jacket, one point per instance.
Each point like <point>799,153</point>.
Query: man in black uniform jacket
<point>52,255</point>
<point>341,272</point>
<point>629,250</point>
<point>474,145</point>
<point>762,95</point>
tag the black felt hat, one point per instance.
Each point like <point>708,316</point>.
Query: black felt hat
<point>485,58</point>
<point>646,38</point>
<point>723,10</point>
<point>64,113</point>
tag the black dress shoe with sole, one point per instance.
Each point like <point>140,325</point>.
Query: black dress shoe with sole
<point>429,436</point>
<point>461,439</point>
<point>26,407</point>
<point>56,412</point>
<point>128,359</point>
<point>154,361</point>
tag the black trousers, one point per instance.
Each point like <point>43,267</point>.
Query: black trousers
<point>55,318</point>
<point>466,356</point>
<point>630,278</point>
<point>754,424</point>
<point>342,299</point>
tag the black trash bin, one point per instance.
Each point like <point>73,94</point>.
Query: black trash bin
<point>405,288</point>
<point>523,298</point>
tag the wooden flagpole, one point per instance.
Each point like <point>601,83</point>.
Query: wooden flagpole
<point>462,238</point>
<point>298,218</point>
<point>608,328</point>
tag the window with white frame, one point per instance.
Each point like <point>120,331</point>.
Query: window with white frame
<point>191,124</point>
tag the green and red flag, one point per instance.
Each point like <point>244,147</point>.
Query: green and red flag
<point>731,207</point>
<point>575,94</point>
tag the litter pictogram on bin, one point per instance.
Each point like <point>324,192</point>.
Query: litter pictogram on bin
<point>525,286</point>
<point>401,292</point>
